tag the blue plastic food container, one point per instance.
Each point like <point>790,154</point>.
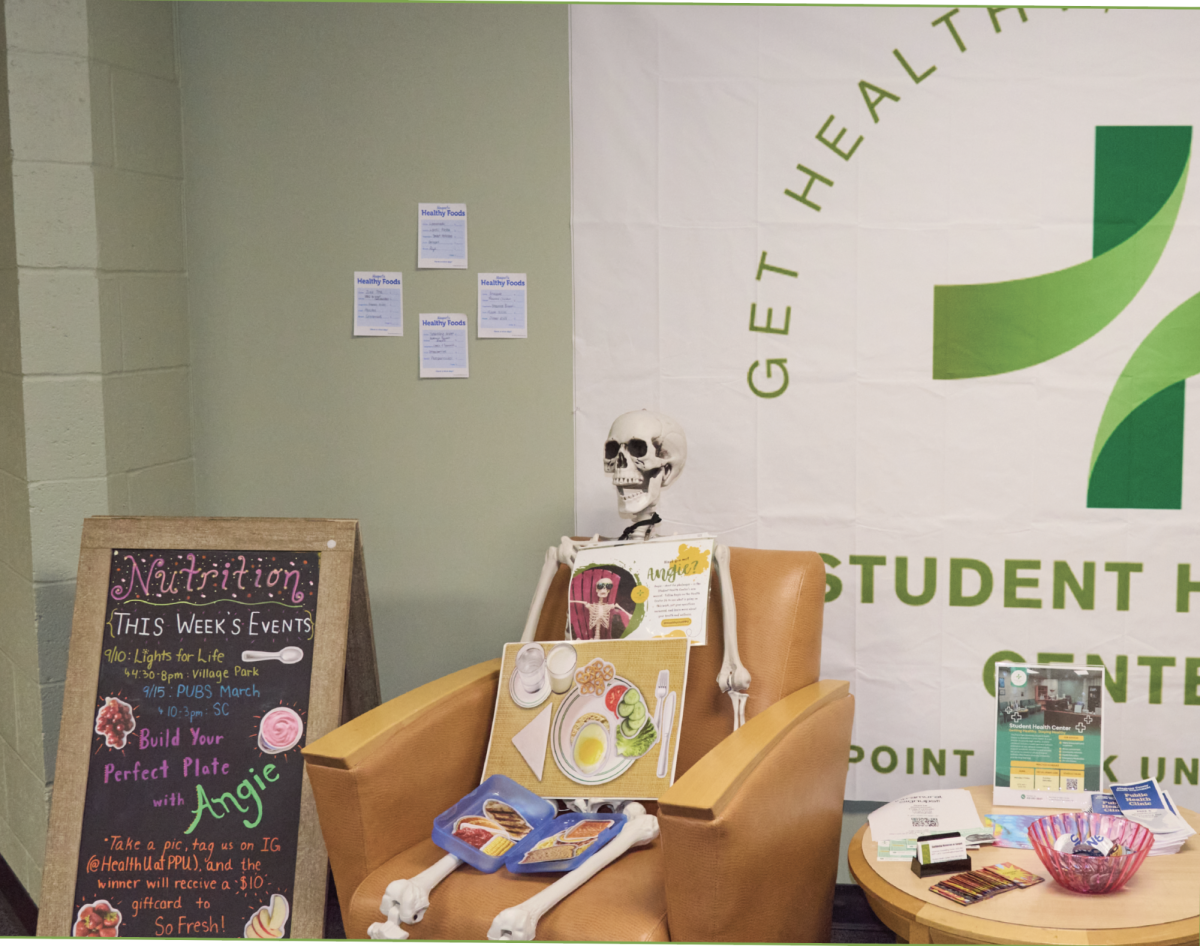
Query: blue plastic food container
<point>497,821</point>
<point>569,840</point>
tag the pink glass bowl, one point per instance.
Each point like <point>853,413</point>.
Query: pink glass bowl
<point>1090,874</point>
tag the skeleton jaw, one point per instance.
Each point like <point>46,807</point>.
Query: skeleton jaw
<point>635,499</point>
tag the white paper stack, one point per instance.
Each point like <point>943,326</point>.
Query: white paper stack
<point>934,812</point>
<point>1146,803</point>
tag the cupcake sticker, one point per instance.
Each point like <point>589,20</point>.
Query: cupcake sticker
<point>280,730</point>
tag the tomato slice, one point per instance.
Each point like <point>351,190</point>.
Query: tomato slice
<point>613,696</point>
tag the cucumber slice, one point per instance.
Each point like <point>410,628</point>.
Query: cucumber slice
<point>638,714</point>
<point>623,710</point>
<point>631,697</point>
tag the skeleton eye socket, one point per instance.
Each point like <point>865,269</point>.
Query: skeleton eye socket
<point>611,449</point>
<point>637,448</point>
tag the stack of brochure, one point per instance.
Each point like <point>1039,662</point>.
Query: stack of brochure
<point>1147,803</point>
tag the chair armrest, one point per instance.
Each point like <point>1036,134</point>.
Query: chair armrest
<point>750,833</point>
<point>381,779</point>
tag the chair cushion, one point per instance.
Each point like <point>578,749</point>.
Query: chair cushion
<point>625,902</point>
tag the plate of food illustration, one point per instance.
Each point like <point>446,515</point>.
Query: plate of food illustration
<point>601,727</point>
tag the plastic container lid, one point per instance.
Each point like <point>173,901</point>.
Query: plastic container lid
<point>561,844</point>
<point>498,820</point>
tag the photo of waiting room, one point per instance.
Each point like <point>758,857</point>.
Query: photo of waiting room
<point>1048,728</point>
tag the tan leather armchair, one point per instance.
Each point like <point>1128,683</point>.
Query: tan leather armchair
<point>750,829</point>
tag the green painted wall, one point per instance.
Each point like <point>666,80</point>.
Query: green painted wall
<point>311,132</point>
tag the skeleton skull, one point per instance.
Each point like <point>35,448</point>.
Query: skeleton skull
<point>603,587</point>
<point>644,453</point>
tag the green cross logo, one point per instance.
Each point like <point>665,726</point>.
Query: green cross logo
<point>995,328</point>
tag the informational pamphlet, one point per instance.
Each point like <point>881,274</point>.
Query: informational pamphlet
<point>444,345</point>
<point>502,305</point>
<point>941,810</point>
<point>442,236</point>
<point>1010,830</point>
<point>378,303</point>
<point>1049,745</point>
<point>1148,803</point>
<point>641,590</point>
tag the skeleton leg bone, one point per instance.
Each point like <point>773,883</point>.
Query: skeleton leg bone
<point>733,677</point>
<point>405,901</point>
<point>520,922</point>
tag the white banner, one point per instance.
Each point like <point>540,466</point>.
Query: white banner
<point>811,236</point>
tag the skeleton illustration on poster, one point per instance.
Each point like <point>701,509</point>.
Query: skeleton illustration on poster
<point>643,591</point>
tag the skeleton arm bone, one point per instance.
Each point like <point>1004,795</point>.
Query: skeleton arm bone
<point>405,901</point>
<point>562,554</point>
<point>733,678</point>
<point>520,922</point>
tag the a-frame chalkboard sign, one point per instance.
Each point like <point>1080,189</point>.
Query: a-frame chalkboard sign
<point>204,654</point>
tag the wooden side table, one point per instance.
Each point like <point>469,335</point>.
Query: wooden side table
<point>1160,906</point>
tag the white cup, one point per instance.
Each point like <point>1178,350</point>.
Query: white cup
<point>561,664</point>
<point>531,668</point>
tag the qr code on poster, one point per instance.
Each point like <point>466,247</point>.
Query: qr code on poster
<point>1071,784</point>
<point>924,822</point>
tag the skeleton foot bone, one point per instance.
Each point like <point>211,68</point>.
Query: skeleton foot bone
<point>405,901</point>
<point>519,923</point>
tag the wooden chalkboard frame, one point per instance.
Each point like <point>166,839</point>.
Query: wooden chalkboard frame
<point>345,679</point>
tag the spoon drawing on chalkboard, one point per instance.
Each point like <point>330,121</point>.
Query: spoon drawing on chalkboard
<point>289,655</point>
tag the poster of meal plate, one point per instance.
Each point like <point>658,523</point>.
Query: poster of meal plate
<point>641,590</point>
<point>573,716</point>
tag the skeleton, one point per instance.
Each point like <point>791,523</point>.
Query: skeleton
<point>644,454</point>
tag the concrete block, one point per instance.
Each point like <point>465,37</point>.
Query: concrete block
<point>110,323</point>
<point>140,221</point>
<point>10,848</point>
<point>54,208</point>
<point>54,606</point>
<point>8,232</point>
<point>27,699</point>
<point>147,128</point>
<point>167,490</point>
<point>27,808</point>
<point>12,425</point>
<point>100,87</point>
<point>52,703</point>
<point>137,36</point>
<point>148,418</point>
<point>60,320</point>
<point>49,112</point>
<point>154,325</point>
<point>3,799</point>
<point>56,513</point>
<point>118,494</point>
<point>48,26</point>
<point>8,707</point>
<point>64,428</point>
<point>10,323</point>
<point>18,635</point>
<point>15,550</point>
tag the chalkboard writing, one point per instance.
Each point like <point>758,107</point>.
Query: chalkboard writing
<point>194,780</point>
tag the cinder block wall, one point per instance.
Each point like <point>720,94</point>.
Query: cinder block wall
<point>94,387</point>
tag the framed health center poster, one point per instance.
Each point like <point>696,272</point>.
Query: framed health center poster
<point>1049,735</point>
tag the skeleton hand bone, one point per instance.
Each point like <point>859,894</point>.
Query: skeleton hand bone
<point>519,923</point>
<point>568,548</point>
